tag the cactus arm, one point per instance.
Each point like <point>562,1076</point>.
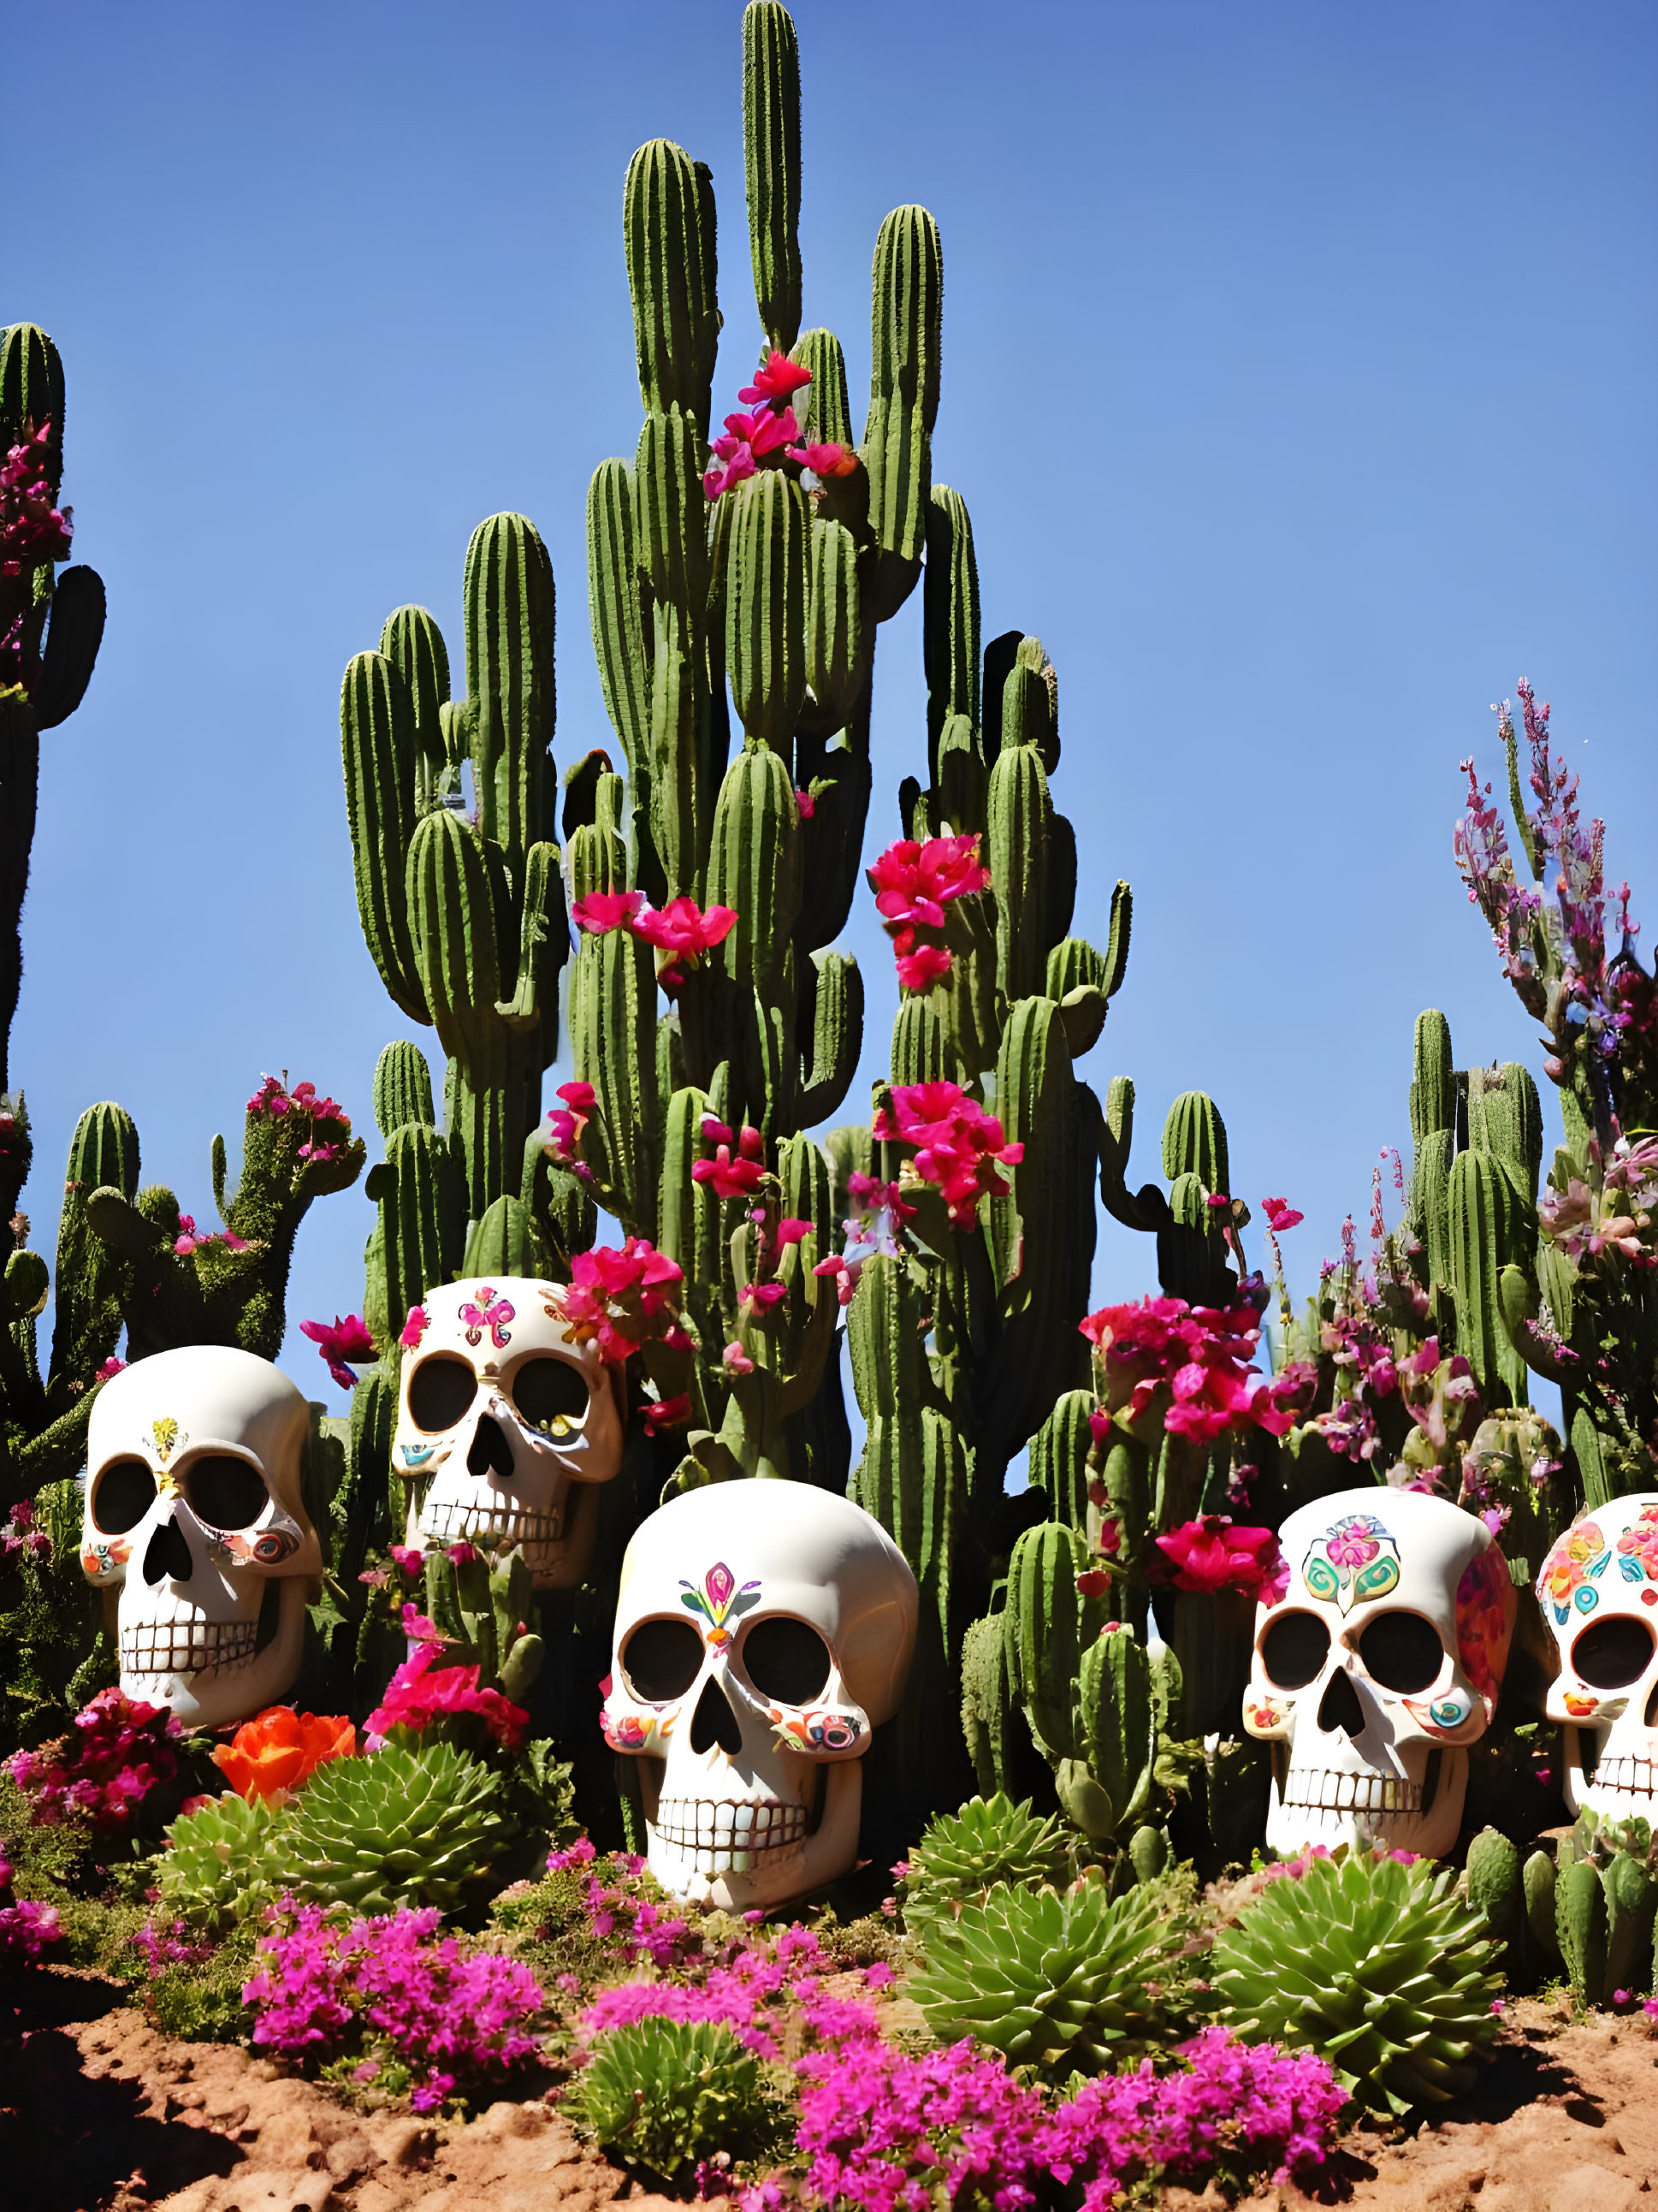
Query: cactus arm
<point>74,630</point>
<point>771,148</point>
<point>510,606</point>
<point>377,731</point>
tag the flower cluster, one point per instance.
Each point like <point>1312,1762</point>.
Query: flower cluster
<point>32,528</point>
<point>120,1750</point>
<point>278,1749</point>
<point>422,1694</point>
<point>738,1166</point>
<point>619,1299</point>
<point>873,1231</point>
<point>22,1540</point>
<point>1215,1554</point>
<point>329,1128</point>
<point>1609,1218</point>
<point>622,1911</point>
<point>681,932</point>
<point>412,2002</point>
<point>751,441</point>
<point>958,1145</point>
<point>913,882</point>
<point>191,1239</point>
<point>566,1125</point>
<point>1188,1366</point>
<point>27,1927</point>
<point>339,1342</point>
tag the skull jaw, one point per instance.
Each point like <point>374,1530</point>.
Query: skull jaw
<point>1624,1783</point>
<point>1325,1798</point>
<point>716,1870</point>
<point>556,1538</point>
<point>229,1689</point>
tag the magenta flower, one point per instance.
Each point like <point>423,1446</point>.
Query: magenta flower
<point>422,1693</point>
<point>339,1341</point>
<point>681,932</point>
<point>414,1328</point>
<point>829,460</point>
<point>600,912</point>
<point>1281,1215</point>
<point>1214,1554</point>
<point>779,377</point>
<point>927,965</point>
<point>718,480</point>
<point>409,1558</point>
<point>730,1176</point>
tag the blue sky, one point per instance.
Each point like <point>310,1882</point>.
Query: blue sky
<point>1297,374</point>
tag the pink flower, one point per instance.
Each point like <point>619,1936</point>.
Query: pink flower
<point>461,1554</point>
<point>739,464</point>
<point>775,380</point>
<point>913,882</point>
<point>829,460</point>
<point>927,965</point>
<point>762,1295</point>
<point>339,1341</point>
<point>408,1557</point>
<point>735,1360</point>
<point>111,1368</point>
<point>681,932</point>
<point>565,1126</point>
<point>600,912</point>
<point>1281,1215</point>
<point>805,804</point>
<point>1213,1554</point>
<point>761,433</point>
<point>729,1177</point>
<point>616,1300</point>
<point>958,1145</point>
<point>414,1328</point>
<point>667,1413</point>
<point>421,1693</point>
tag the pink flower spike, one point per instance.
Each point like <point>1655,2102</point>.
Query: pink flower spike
<point>779,377</point>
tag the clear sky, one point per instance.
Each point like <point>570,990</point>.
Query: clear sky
<point>1297,374</point>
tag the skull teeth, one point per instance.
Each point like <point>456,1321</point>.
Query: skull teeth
<point>1637,1778</point>
<point>450,1523</point>
<point>1321,1788</point>
<point>187,1646</point>
<point>725,1835</point>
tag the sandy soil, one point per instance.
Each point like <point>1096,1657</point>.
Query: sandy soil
<point>97,2114</point>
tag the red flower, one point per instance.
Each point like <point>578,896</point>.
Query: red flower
<point>958,1145</point>
<point>927,965</point>
<point>565,1126</point>
<point>1093,1582</point>
<point>278,1749</point>
<point>1212,1554</point>
<point>1281,1215</point>
<point>422,1692</point>
<point>829,460</point>
<point>681,932</point>
<point>913,883</point>
<point>667,1413</point>
<point>599,912</point>
<point>730,1178</point>
<point>761,433</point>
<point>339,1341</point>
<point>618,1299</point>
<point>775,381</point>
<point>807,805</point>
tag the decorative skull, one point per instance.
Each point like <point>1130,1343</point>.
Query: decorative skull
<point>194,1513</point>
<point>762,1630</point>
<point>514,1420</point>
<point>1377,1668</point>
<point>1599,1592</point>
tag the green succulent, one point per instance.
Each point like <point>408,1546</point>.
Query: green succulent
<point>663,2094</point>
<point>1070,1984</point>
<point>225,1863</point>
<point>962,1854</point>
<point>1379,1967</point>
<point>403,1828</point>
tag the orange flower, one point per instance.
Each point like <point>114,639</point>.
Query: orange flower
<point>278,1748</point>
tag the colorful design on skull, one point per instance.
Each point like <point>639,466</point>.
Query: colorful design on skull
<point>810,1730</point>
<point>1355,1560</point>
<point>1445,1715</point>
<point>625,1731</point>
<point>415,1454</point>
<point>1485,1606</point>
<point>168,1436</point>
<point>103,1555</point>
<point>491,1312</point>
<point>718,1602</point>
<point>1638,1550</point>
<point>269,1549</point>
<point>1568,1579</point>
<point>1263,1713</point>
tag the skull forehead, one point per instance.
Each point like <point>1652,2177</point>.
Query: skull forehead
<point>1359,1549</point>
<point>1605,1563</point>
<point>492,1316</point>
<point>812,1554</point>
<point>216,1393</point>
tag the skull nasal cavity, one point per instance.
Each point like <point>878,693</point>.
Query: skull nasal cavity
<point>168,1553</point>
<point>489,1453</point>
<point>714,1722</point>
<point>1338,1708</point>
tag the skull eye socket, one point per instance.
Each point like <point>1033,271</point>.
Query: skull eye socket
<point>661,1659</point>
<point>550,1394</point>
<point>1611,1654</point>
<point>121,1496</point>
<point>785,1659</point>
<point>225,1491</point>
<point>441,1393</point>
<point>1294,1649</point>
<point>1402,1651</point>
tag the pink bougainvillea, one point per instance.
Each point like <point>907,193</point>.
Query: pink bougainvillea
<point>958,1145</point>
<point>423,1694</point>
<point>339,1342</point>
<point>618,1299</point>
<point>1215,1554</point>
<point>118,1751</point>
<point>1188,1364</point>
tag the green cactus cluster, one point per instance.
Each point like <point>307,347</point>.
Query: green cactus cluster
<point>963,1855</point>
<point>1379,1967</point>
<point>666,2094</point>
<point>224,1865</point>
<point>1073,1983</point>
<point>1605,1901</point>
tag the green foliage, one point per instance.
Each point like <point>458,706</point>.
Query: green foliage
<point>225,1865</point>
<point>200,2000</point>
<point>1381,1968</point>
<point>663,2093</point>
<point>1074,1982</point>
<point>963,1855</point>
<point>1606,1901</point>
<point>430,1826</point>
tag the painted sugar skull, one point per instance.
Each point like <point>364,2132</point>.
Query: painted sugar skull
<point>194,1513</point>
<point>762,1630</point>
<point>1599,1592</point>
<point>514,1422</point>
<point>1377,1668</point>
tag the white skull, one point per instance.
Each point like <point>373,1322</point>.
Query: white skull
<point>1599,1592</point>
<point>516,1422</point>
<point>194,1512</point>
<point>1377,1668</point>
<point>763,1628</point>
